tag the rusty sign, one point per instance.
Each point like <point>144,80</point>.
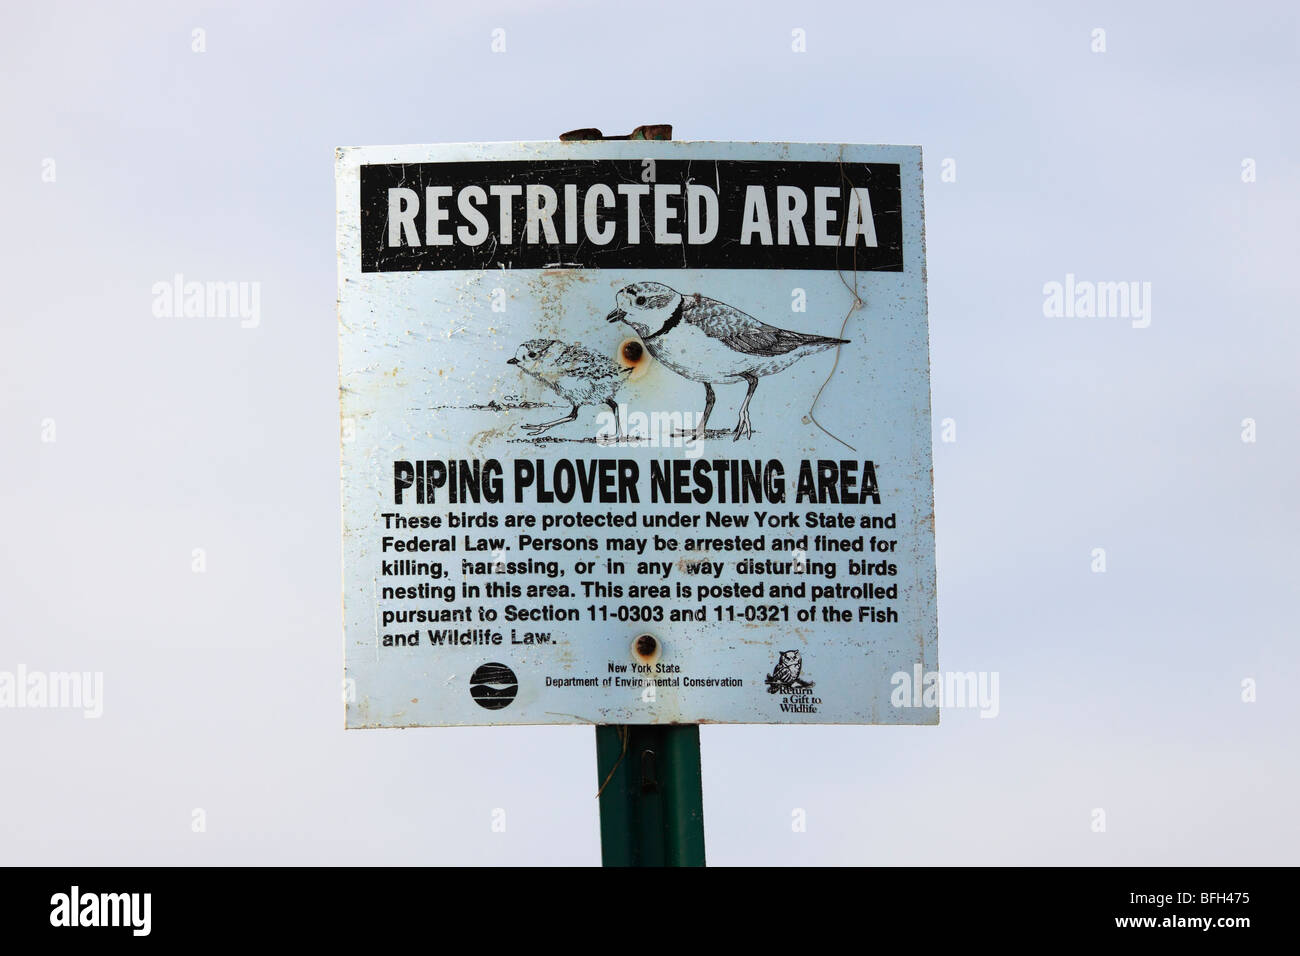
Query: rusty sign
<point>634,432</point>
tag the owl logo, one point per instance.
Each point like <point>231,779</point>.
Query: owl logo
<point>784,678</point>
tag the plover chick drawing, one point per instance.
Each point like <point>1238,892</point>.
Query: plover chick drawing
<point>578,375</point>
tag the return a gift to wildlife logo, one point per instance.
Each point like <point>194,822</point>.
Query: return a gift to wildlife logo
<point>785,680</point>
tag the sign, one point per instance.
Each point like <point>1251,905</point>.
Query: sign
<point>634,432</point>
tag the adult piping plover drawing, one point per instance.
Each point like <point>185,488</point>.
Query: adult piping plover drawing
<point>578,375</point>
<point>711,342</point>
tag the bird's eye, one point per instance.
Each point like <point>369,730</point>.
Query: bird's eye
<point>532,355</point>
<point>640,300</point>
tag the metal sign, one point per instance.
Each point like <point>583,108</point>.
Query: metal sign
<point>635,433</point>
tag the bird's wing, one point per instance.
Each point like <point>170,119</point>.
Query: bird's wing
<point>741,332</point>
<point>584,363</point>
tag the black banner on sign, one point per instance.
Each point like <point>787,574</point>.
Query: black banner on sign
<point>644,214</point>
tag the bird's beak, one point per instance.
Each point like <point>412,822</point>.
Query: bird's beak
<point>618,315</point>
<point>512,361</point>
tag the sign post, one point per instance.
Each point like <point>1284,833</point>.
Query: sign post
<point>651,789</point>
<point>651,796</point>
<point>636,433</point>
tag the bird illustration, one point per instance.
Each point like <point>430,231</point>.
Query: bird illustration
<point>784,678</point>
<point>709,341</point>
<point>578,375</point>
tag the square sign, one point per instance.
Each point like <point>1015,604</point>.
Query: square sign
<point>635,432</point>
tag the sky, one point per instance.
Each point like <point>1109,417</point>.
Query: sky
<point>1160,151</point>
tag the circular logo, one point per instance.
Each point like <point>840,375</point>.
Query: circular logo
<point>493,686</point>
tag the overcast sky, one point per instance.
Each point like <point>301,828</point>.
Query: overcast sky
<point>1120,691</point>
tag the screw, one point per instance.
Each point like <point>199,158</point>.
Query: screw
<point>648,782</point>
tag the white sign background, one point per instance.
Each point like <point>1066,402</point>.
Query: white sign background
<point>424,375</point>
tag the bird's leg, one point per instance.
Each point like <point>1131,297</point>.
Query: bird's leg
<point>618,425</point>
<point>742,426</point>
<point>698,433</point>
<point>538,429</point>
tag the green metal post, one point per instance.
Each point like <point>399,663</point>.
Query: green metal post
<point>651,797</point>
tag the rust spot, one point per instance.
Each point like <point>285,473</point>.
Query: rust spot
<point>646,648</point>
<point>574,275</point>
<point>649,131</point>
<point>635,356</point>
<point>683,563</point>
